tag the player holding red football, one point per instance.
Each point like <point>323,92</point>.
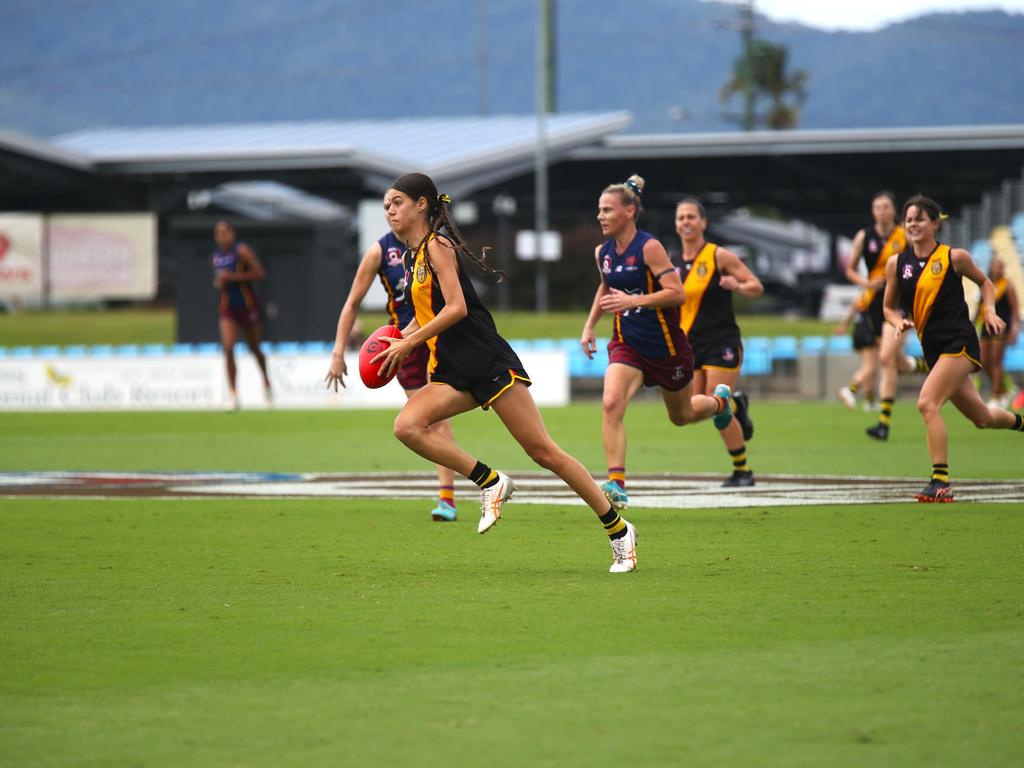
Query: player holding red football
<point>384,260</point>
<point>472,366</point>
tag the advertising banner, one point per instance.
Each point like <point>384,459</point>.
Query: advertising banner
<point>198,382</point>
<point>21,257</point>
<point>102,256</point>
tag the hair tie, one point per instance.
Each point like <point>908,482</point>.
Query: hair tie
<point>943,216</point>
<point>634,186</point>
<point>444,199</point>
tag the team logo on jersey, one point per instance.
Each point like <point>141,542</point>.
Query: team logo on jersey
<point>936,267</point>
<point>606,265</point>
<point>728,355</point>
<point>630,261</point>
<point>394,257</point>
<point>873,246</point>
<point>702,270</point>
<point>618,268</point>
<point>421,273</point>
<point>908,271</point>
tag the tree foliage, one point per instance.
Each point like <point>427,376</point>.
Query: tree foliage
<point>761,73</point>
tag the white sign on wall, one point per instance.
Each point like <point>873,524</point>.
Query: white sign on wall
<point>101,256</point>
<point>547,247</point>
<point>21,257</point>
<point>198,382</point>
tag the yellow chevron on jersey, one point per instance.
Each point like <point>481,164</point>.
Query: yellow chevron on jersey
<point>928,285</point>
<point>423,297</point>
<point>1000,286</point>
<point>696,284</point>
<point>660,314</point>
<point>895,244</point>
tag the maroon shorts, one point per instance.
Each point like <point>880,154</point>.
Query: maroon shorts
<point>246,318</point>
<point>672,373</point>
<point>412,374</point>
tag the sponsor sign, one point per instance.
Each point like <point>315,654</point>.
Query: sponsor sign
<point>198,382</point>
<point>21,257</point>
<point>95,257</point>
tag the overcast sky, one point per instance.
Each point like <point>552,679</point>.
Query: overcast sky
<point>869,14</point>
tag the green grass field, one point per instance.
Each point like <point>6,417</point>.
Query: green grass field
<point>157,326</point>
<point>356,632</point>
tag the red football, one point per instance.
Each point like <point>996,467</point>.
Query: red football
<point>370,372</point>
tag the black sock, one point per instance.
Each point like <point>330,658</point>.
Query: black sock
<point>614,525</point>
<point>483,475</point>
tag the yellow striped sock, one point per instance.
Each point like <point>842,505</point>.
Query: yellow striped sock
<point>447,493</point>
<point>739,459</point>
<point>886,415</point>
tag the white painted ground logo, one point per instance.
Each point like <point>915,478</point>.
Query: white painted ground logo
<point>645,491</point>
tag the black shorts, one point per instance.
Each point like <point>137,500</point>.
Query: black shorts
<point>484,391</point>
<point>876,313</point>
<point>965,345</point>
<point>724,354</point>
<point>863,334</point>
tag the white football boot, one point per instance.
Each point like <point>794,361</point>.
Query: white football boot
<point>624,551</point>
<point>491,500</point>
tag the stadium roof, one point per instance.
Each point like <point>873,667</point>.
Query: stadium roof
<point>820,176</point>
<point>460,152</point>
<point>862,141</point>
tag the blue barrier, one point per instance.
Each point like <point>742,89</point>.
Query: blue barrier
<point>812,345</point>
<point>785,348</point>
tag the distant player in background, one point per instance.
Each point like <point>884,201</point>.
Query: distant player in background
<point>924,290</point>
<point>384,260</point>
<point>235,268</point>
<point>876,244</point>
<point>993,346</point>
<point>648,347</point>
<point>866,345</point>
<point>710,275</point>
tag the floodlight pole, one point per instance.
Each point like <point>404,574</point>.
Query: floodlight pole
<point>545,99</point>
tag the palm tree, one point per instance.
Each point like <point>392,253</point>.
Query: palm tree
<point>761,73</point>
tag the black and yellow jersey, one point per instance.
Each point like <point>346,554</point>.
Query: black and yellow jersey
<point>707,312</point>
<point>470,351</point>
<point>932,293</point>
<point>876,253</point>
<point>1003,308</point>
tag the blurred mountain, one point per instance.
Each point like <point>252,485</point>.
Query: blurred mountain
<point>72,64</point>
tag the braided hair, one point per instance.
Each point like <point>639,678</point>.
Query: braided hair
<point>439,218</point>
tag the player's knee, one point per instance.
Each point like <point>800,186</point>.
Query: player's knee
<point>544,454</point>
<point>613,405</point>
<point>405,429</point>
<point>680,419</point>
<point>928,407</point>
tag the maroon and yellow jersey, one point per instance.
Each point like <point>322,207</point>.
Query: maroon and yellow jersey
<point>651,331</point>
